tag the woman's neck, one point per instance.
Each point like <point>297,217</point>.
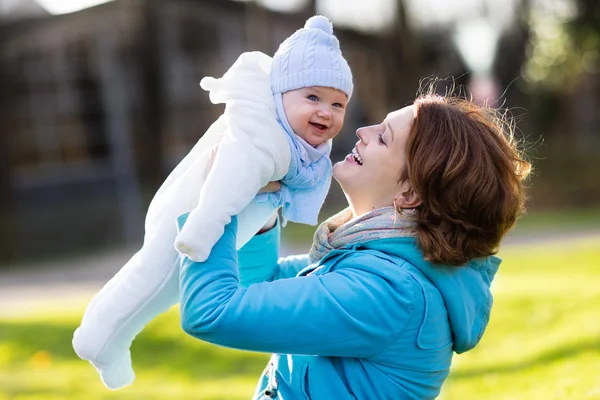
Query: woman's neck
<point>361,208</point>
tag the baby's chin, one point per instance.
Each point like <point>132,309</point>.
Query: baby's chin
<point>315,143</point>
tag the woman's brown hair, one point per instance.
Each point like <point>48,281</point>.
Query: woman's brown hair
<point>463,162</point>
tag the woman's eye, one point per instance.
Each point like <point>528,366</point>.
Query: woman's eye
<point>312,97</point>
<point>381,139</point>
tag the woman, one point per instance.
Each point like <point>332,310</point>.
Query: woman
<point>394,284</point>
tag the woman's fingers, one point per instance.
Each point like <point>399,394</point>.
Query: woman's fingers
<point>271,187</point>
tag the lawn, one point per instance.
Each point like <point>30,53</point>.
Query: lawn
<point>543,343</point>
<point>37,362</point>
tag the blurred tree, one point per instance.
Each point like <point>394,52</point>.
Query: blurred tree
<point>512,51</point>
<point>404,64</point>
<point>6,192</point>
<point>152,84</point>
<point>565,43</point>
<point>563,65</point>
<point>562,76</point>
<point>257,27</point>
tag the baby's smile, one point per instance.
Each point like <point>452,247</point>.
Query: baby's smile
<point>319,127</point>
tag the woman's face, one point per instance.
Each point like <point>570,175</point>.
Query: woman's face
<point>370,175</point>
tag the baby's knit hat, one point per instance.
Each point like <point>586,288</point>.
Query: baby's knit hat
<point>311,57</point>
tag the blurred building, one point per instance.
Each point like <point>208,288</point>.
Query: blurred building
<point>99,105</point>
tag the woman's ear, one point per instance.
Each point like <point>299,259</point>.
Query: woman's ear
<point>408,198</point>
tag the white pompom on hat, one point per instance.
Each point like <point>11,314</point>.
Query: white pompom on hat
<point>311,57</point>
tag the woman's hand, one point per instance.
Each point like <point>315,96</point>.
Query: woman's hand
<point>271,187</point>
<point>269,225</point>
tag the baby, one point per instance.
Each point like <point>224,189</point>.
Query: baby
<point>279,119</point>
<point>311,83</point>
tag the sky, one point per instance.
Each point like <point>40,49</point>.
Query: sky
<point>67,6</point>
<point>360,14</point>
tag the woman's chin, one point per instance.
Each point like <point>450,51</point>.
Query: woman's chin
<point>338,170</point>
<point>342,173</point>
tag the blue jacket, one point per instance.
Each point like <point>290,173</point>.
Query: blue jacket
<point>369,321</point>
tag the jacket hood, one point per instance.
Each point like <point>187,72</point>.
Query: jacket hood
<point>465,289</point>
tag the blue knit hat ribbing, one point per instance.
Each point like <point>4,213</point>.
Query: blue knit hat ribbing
<point>311,57</point>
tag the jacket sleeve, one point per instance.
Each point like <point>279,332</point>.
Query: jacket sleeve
<point>258,260</point>
<point>348,312</point>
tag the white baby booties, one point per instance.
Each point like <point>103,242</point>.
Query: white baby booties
<point>253,150</point>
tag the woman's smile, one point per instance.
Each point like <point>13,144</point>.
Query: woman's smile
<point>354,157</point>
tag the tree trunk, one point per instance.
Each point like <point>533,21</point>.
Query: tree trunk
<point>403,67</point>
<point>148,142</point>
<point>7,204</point>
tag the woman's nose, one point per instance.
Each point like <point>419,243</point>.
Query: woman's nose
<point>360,132</point>
<point>364,133</point>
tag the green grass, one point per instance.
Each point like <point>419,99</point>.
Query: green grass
<point>37,362</point>
<point>564,219</point>
<point>543,343</point>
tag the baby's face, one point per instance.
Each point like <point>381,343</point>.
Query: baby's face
<point>316,113</point>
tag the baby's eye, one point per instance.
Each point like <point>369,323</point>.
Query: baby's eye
<point>312,97</point>
<point>381,139</point>
<point>339,105</point>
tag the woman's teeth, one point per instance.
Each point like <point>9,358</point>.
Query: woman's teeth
<point>356,156</point>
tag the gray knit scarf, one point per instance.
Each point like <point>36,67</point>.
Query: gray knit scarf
<point>341,229</point>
